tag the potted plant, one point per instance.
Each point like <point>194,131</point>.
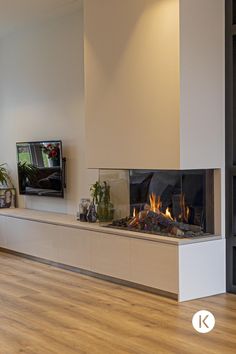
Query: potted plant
<point>100,192</point>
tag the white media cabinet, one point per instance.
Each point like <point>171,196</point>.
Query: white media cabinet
<point>185,269</point>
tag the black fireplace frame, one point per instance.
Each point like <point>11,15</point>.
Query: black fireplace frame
<point>230,145</point>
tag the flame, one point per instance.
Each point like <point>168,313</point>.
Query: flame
<point>155,205</point>
<point>185,209</point>
<point>159,203</point>
<point>187,212</point>
<point>168,214</point>
<point>152,199</point>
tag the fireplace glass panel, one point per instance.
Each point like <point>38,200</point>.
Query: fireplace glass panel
<point>234,98</point>
<point>175,203</point>
<point>234,205</point>
<point>234,265</point>
<point>234,12</point>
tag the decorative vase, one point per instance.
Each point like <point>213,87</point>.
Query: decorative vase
<point>92,215</point>
<point>105,211</point>
<point>83,209</point>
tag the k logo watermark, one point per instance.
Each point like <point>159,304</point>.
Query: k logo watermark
<point>203,321</point>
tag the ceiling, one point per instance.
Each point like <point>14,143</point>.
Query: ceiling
<point>15,14</point>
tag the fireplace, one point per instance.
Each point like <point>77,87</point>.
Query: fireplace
<point>162,202</point>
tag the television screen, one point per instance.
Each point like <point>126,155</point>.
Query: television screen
<point>40,168</point>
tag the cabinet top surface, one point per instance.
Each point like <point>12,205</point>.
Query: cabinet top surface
<point>67,220</point>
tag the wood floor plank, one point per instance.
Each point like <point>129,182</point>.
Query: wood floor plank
<point>48,310</point>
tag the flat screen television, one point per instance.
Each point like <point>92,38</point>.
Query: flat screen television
<point>40,168</point>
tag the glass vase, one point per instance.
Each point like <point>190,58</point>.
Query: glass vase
<point>105,211</point>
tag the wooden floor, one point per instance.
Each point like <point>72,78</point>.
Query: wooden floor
<point>48,310</point>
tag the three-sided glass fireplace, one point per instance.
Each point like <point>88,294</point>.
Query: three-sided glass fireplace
<point>163,202</point>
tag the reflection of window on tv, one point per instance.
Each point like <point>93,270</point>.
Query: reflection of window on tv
<point>40,168</point>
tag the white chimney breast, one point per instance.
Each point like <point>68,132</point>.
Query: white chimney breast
<point>154,83</point>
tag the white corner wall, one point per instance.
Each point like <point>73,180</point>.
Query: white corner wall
<point>202,75</point>
<point>202,269</point>
<point>42,97</point>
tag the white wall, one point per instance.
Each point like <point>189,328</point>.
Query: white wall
<point>42,97</point>
<point>132,83</point>
<point>202,68</point>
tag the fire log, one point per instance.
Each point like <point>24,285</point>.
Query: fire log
<point>176,231</point>
<point>168,223</point>
<point>161,219</point>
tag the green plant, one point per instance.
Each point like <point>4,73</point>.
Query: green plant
<point>100,192</point>
<point>96,192</point>
<point>4,176</point>
<point>106,192</point>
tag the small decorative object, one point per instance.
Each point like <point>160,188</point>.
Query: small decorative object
<point>101,196</point>
<point>92,215</point>
<point>7,191</point>
<point>83,209</point>
<point>4,176</point>
<point>7,198</point>
<point>53,153</point>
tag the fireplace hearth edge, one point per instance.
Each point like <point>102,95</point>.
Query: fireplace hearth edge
<point>186,236</point>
